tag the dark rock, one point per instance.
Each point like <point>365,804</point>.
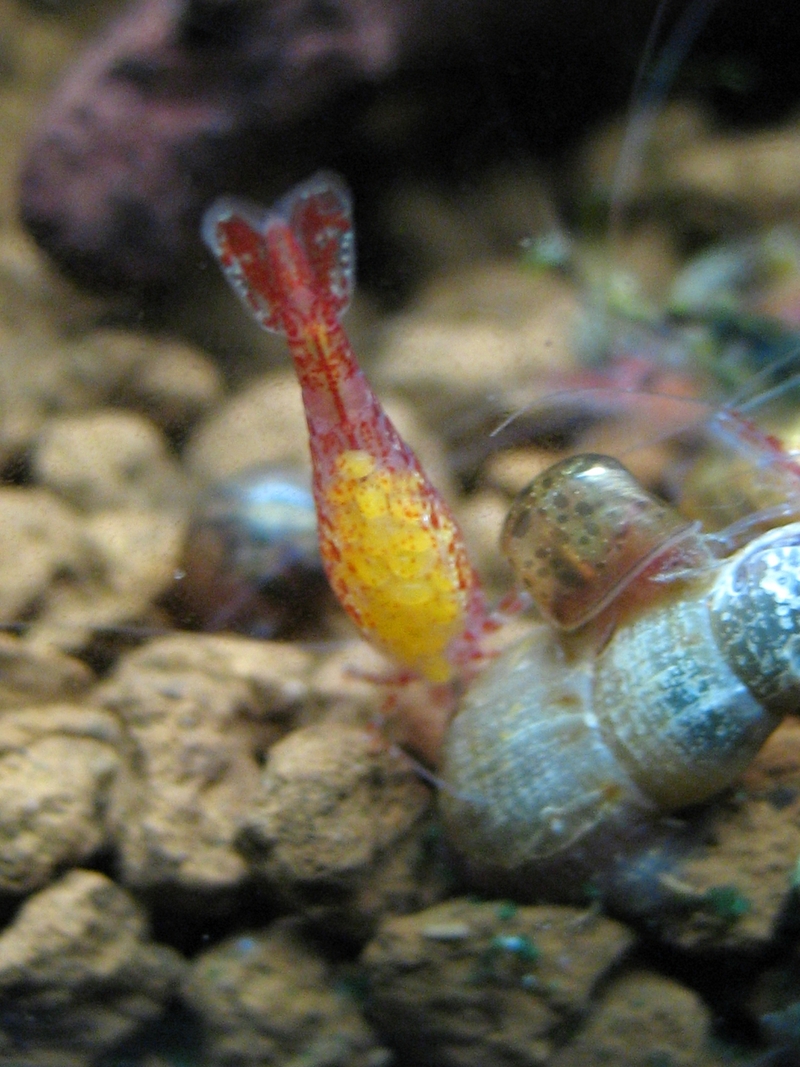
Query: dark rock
<point>178,102</point>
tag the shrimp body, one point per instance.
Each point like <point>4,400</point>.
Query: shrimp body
<point>391,548</point>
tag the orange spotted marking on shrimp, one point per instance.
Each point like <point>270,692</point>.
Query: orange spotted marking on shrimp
<point>391,548</point>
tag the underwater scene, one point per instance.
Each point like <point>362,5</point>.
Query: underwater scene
<point>399,533</point>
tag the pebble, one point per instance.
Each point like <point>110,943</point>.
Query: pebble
<point>198,711</point>
<point>268,997</point>
<point>738,880</point>
<point>78,973</point>
<point>644,1019</point>
<point>58,768</point>
<point>341,825</point>
<point>108,460</point>
<point>503,994</point>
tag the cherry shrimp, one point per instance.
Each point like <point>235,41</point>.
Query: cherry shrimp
<point>390,545</point>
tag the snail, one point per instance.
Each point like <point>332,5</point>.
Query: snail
<point>666,671</point>
<point>252,560</point>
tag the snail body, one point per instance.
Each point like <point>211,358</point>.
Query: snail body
<point>564,760</point>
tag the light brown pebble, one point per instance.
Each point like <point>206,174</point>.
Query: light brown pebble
<point>175,387</point>
<point>344,677</point>
<point>135,556</point>
<point>108,459</point>
<point>275,671</point>
<point>748,868</point>
<point>676,126</point>
<point>117,360</point>
<point>198,710</point>
<point>78,973</point>
<point>351,685</point>
<point>341,826</point>
<point>32,674</point>
<point>481,518</point>
<point>43,374</point>
<point>268,998</point>
<point>475,340</point>
<point>750,177</point>
<point>58,765</point>
<point>40,540</point>
<point>742,870</point>
<point>644,1019</point>
<point>513,468</point>
<point>503,995</point>
<point>262,424</point>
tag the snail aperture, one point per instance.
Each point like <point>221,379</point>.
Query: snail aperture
<point>582,531</point>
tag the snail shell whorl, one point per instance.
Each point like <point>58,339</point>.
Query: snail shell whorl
<point>673,711</point>
<point>755,613</point>
<point>529,776</point>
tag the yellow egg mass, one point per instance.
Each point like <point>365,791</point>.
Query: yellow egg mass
<point>390,566</point>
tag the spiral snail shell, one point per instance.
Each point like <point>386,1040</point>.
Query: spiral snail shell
<point>563,760</point>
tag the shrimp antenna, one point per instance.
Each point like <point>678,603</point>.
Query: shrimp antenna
<point>769,383</point>
<point>649,89</point>
<point>654,416</point>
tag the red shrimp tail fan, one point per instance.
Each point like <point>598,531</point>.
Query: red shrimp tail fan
<point>247,241</point>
